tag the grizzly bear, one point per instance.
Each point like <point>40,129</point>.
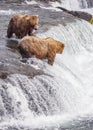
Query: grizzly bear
<point>21,25</point>
<point>42,48</point>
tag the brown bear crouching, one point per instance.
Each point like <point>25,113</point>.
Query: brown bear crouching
<point>42,48</point>
<point>21,25</point>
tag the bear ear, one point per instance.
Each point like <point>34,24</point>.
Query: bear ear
<point>35,16</point>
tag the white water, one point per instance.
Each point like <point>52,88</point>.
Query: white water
<point>75,63</point>
<point>78,4</point>
<point>72,4</point>
<point>68,4</point>
<point>11,12</point>
<point>64,94</point>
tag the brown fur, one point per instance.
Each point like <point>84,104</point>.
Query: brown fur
<point>22,25</point>
<point>45,48</point>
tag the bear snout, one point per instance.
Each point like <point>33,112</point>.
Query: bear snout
<point>36,27</point>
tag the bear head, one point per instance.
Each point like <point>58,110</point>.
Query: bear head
<point>60,47</point>
<point>32,22</point>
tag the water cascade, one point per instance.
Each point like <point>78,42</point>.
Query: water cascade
<point>65,89</point>
<point>74,4</point>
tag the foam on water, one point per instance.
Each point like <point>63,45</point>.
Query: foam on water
<point>65,91</point>
<point>73,4</point>
<point>50,8</point>
<point>11,12</point>
<point>71,68</point>
<point>67,4</point>
<point>30,2</point>
<point>89,10</point>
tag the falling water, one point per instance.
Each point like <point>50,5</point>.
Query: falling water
<point>74,4</point>
<point>65,89</point>
<point>62,94</point>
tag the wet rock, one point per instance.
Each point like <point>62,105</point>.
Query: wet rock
<point>3,75</point>
<point>18,68</point>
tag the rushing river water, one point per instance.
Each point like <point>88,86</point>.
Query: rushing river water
<point>35,95</point>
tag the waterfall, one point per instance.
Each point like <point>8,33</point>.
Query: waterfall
<point>74,4</point>
<point>64,90</point>
<point>68,4</point>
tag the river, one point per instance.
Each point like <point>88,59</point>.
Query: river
<point>35,95</point>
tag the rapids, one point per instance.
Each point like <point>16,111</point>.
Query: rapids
<point>35,95</point>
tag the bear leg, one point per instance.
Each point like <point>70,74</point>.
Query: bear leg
<point>51,58</point>
<point>9,32</point>
<point>20,33</point>
<point>23,52</point>
<point>51,61</point>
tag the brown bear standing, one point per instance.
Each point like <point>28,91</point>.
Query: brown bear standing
<point>42,48</point>
<point>22,25</point>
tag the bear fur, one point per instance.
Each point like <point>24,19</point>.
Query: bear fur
<point>22,25</point>
<point>42,48</point>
